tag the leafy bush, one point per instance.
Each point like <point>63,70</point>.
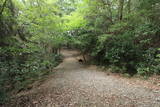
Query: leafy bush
<point>22,68</point>
<point>130,51</point>
<point>150,64</point>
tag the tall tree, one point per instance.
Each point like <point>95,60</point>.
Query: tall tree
<point>121,6</point>
<point>108,4</point>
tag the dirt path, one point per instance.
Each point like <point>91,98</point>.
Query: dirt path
<point>74,85</point>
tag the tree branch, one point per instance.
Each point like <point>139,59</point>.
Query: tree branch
<point>3,6</point>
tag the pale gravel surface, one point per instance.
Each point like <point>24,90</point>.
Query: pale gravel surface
<point>74,85</point>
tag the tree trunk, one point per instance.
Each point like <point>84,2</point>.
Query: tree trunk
<point>108,3</point>
<point>59,51</point>
<point>110,9</point>
<point>84,57</point>
<point>121,5</point>
<point>129,6</point>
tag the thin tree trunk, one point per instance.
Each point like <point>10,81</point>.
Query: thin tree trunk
<point>110,9</point>
<point>129,6</point>
<point>84,57</point>
<point>121,5</point>
<point>108,3</point>
<point>59,51</point>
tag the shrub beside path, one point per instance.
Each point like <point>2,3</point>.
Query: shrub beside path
<point>75,85</point>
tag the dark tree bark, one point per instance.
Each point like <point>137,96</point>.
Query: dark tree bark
<point>121,5</point>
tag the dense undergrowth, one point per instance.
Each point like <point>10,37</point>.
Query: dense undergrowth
<point>20,68</point>
<point>29,45</point>
<point>133,50</point>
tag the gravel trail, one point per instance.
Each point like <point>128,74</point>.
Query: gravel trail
<point>75,85</point>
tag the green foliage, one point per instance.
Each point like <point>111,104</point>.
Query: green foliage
<point>129,43</point>
<point>123,34</point>
<point>150,64</point>
<point>16,74</point>
<point>31,36</point>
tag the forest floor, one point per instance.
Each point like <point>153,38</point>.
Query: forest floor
<point>75,85</point>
